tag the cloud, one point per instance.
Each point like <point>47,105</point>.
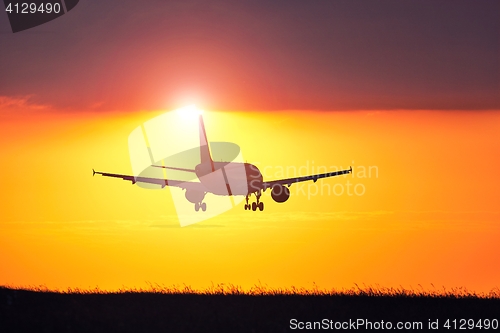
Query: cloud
<point>369,220</point>
<point>20,103</point>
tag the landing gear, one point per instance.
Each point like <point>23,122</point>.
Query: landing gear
<point>201,205</point>
<point>258,204</point>
<point>255,205</point>
<point>247,206</point>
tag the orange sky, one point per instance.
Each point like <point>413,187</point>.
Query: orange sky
<point>426,207</point>
<point>428,215</point>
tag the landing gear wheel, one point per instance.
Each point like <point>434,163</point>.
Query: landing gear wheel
<point>197,206</point>
<point>247,206</point>
<point>261,206</point>
<point>204,206</point>
<point>254,206</point>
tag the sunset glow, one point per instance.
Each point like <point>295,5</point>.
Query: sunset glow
<point>405,93</point>
<point>419,208</point>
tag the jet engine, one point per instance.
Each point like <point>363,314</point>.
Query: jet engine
<point>280,193</point>
<point>194,196</point>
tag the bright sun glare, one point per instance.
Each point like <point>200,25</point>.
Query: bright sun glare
<point>189,112</point>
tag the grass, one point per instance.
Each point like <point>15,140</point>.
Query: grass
<point>264,290</point>
<point>230,308</point>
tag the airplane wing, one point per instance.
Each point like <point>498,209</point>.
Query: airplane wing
<point>314,178</point>
<point>159,181</point>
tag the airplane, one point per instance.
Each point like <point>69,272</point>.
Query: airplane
<point>223,179</point>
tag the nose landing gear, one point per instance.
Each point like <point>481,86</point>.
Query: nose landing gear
<point>201,205</point>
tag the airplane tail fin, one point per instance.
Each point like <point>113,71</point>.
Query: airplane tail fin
<point>206,157</point>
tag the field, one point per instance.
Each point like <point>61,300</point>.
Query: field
<point>230,309</point>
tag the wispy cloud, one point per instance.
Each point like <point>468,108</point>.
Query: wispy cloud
<point>397,220</point>
<point>19,102</point>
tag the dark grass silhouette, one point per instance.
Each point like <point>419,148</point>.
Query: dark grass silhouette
<point>229,308</point>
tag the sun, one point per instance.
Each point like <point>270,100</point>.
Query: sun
<point>189,112</point>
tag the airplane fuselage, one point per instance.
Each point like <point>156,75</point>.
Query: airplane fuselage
<point>229,178</point>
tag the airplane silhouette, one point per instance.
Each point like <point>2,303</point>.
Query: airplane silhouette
<point>225,178</point>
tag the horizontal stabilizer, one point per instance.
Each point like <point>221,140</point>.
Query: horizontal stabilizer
<point>173,168</point>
